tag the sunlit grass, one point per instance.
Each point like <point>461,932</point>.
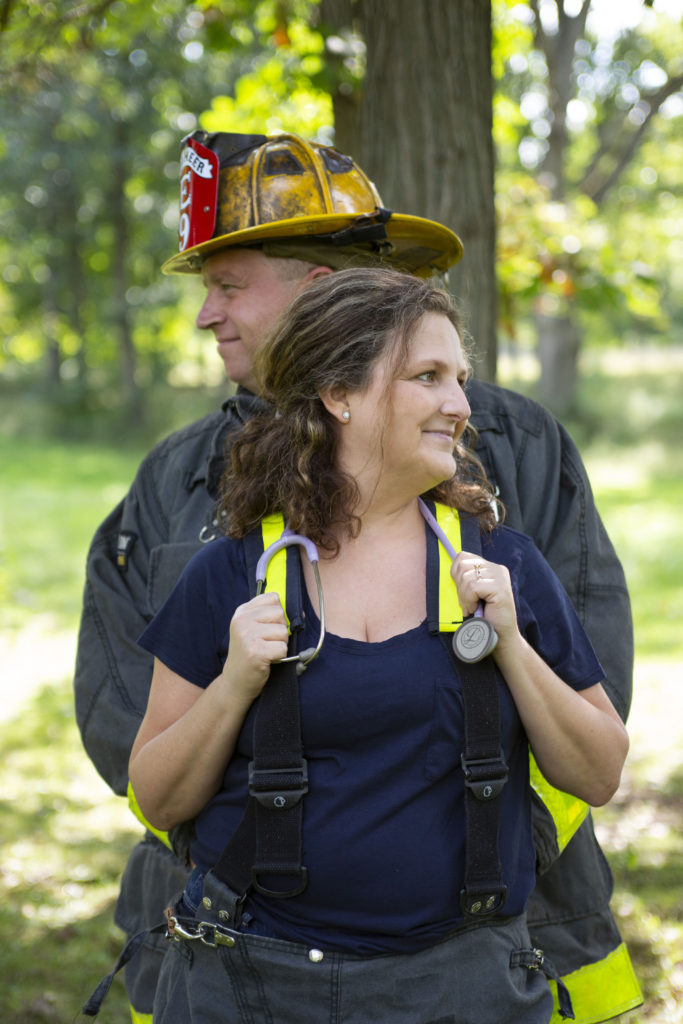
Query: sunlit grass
<point>64,840</point>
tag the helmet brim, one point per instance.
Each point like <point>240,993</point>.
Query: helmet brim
<point>419,246</point>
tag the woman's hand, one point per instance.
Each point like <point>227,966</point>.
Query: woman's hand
<point>188,734</point>
<point>258,637</point>
<point>478,580</point>
<point>577,737</point>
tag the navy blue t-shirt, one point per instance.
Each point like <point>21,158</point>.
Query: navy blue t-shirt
<point>382,727</point>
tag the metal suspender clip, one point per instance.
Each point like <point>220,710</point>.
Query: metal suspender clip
<point>485,776</point>
<point>278,789</point>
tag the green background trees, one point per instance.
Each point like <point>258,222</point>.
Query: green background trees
<point>586,121</point>
<point>94,98</point>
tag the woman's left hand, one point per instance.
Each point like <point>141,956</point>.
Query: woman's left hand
<point>577,737</point>
<point>478,580</point>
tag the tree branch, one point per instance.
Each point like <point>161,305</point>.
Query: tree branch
<point>629,149</point>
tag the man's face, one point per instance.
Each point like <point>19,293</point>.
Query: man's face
<point>245,293</point>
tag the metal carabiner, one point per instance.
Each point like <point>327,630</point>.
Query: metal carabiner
<point>176,930</point>
<point>208,533</point>
<point>289,539</point>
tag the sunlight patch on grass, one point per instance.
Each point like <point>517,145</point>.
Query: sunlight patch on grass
<point>64,840</point>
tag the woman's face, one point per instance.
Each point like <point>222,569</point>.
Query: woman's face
<point>404,430</point>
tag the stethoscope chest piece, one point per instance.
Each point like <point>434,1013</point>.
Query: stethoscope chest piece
<point>474,640</point>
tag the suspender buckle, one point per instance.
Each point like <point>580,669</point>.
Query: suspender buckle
<point>279,789</point>
<point>485,776</point>
<point>482,901</point>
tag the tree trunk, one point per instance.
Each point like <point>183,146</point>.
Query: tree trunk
<point>559,337</point>
<point>559,341</point>
<point>76,281</point>
<point>50,316</point>
<point>120,279</point>
<point>423,132</point>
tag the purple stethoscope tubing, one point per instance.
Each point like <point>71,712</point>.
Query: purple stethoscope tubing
<point>475,638</point>
<point>453,554</point>
<point>472,641</point>
<point>286,540</point>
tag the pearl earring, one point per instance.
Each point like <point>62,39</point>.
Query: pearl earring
<point>346,415</point>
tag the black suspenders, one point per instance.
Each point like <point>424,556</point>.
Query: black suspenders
<point>483,893</point>
<point>265,852</point>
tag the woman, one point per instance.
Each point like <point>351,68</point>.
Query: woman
<point>366,372</point>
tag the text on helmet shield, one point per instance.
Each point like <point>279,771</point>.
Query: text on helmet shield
<point>199,168</point>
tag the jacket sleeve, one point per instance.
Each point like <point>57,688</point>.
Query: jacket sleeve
<point>134,561</point>
<point>544,486</point>
<point>113,674</point>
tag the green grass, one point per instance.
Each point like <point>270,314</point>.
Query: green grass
<point>64,839</point>
<point>55,494</point>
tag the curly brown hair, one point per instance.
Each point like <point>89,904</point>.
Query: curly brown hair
<point>332,336</point>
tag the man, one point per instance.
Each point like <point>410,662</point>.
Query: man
<point>260,219</point>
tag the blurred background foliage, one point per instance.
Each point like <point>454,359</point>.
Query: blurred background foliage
<point>98,356</point>
<point>96,96</point>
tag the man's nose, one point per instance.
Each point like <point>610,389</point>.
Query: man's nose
<point>209,313</point>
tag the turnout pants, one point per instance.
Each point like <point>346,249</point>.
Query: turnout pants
<point>481,975</point>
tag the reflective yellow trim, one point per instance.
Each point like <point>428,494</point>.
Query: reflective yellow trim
<point>450,612</point>
<point>601,990</point>
<point>567,811</point>
<point>135,808</point>
<point>140,1018</point>
<point>276,580</point>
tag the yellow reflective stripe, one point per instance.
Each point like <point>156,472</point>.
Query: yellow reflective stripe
<point>272,528</point>
<point>140,1018</point>
<point>450,612</point>
<point>135,808</point>
<point>601,990</point>
<point>566,811</point>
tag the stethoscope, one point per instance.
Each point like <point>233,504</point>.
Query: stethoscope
<point>473,640</point>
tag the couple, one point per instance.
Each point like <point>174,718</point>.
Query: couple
<point>366,372</point>
<point>137,554</point>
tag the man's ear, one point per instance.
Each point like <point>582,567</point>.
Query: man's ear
<point>336,402</point>
<point>315,272</point>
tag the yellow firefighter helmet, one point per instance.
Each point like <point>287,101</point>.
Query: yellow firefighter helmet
<point>242,190</point>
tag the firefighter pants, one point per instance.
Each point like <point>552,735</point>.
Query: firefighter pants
<point>482,975</point>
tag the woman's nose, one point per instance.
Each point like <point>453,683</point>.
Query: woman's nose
<point>455,403</point>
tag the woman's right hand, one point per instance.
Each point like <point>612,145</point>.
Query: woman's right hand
<point>258,637</point>
<point>188,734</point>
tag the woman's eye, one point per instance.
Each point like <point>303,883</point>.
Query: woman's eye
<point>428,376</point>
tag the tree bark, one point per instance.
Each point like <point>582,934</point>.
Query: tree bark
<point>121,316</point>
<point>423,132</point>
<point>559,342</point>
<point>558,338</point>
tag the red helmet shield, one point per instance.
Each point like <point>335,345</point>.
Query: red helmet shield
<point>199,168</point>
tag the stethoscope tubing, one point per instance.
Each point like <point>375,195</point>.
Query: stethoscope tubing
<point>472,641</point>
<point>290,539</point>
